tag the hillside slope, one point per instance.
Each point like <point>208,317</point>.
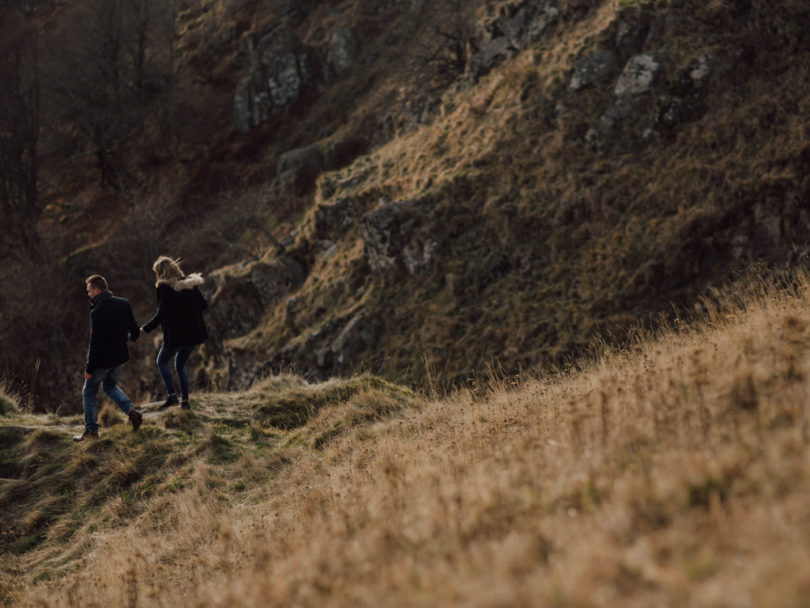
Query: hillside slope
<point>671,473</point>
<point>446,187</point>
<point>619,159</point>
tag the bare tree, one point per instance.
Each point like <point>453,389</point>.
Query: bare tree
<point>19,127</point>
<point>445,32</point>
<point>110,58</point>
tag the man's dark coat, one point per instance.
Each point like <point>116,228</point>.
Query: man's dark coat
<point>111,321</point>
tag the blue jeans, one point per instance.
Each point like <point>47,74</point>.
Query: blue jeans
<point>181,355</point>
<point>108,379</point>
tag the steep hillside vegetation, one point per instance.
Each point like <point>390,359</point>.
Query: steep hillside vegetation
<point>416,189</point>
<point>622,157</point>
<point>671,473</point>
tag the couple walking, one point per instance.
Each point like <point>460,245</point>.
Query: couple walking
<point>179,311</point>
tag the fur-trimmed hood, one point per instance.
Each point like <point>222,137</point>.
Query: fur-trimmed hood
<point>188,282</point>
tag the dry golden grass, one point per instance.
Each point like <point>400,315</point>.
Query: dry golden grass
<point>673,473</point>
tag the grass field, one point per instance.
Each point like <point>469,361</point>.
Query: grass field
<point>671,473</point>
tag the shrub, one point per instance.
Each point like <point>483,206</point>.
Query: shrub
<point>9,401</point>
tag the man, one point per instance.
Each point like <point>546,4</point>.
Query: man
<point>111,321</point>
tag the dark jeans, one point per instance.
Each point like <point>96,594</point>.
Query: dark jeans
<point>181,355</point>
<point>108,379</point>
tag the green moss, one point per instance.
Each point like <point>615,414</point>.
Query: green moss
<point>29,542</point>
<point>219,449</point>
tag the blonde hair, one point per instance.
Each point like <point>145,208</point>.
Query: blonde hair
<point>167,270</point>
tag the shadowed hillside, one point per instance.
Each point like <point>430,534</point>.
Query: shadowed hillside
<point>617,159</point>
<point>672,472</point>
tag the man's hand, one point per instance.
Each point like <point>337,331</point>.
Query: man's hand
<point>88,376</point>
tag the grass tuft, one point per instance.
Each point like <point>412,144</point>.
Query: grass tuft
<point>9,401</point>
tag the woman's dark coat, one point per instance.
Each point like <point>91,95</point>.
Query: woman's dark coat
<point>180,307</point>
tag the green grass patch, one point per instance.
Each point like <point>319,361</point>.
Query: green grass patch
<point>293,408</point>
<point>26,543</point>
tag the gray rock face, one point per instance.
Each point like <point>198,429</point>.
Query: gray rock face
<point>631,88</point>
<point>242,107</point>
<point>592,68</point>
<point>299,169</point>
<point>342,51</point>
<point>242,297</point>
<point>391,237</point>
<point>530,21</point>
<point>522,24</point>
<point>284,71</point>
<point>29,7</point>
<point>352,339</point>
<point>684,99</point>
<point>638,75</point>
<point>333,219</point>
<point>288,67</point>
<point>491,53</point>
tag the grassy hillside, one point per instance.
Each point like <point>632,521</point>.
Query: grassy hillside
<point>535,206</point>
<point>672,472</point>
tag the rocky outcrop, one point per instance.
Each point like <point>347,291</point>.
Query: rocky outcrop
<point>284,71</point>
<point>341,52</point>
<point>515,29</point>
<point>358,334</point>
<point>334,218</point>
<point>637,76</point>
<point>632,86</point>
<point>594,67</point>
<point>297,170</point>
<point>684,98</point>
<point>243,294</point>
<point>393,236</point>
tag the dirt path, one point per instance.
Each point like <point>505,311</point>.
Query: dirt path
<point>149,410</point>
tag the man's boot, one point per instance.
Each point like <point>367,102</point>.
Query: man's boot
<point>86,435</point>
<point>135,417</point>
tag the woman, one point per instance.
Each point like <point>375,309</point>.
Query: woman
<point>180,305</point>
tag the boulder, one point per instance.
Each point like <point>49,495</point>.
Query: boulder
<point>242,294</point>
<point>299,169</point>
<point>491,54</point>
<point>355,337</point>
<point>333,219</point>
<point>342,51</point>
<point>529,21</point>
<point>592,68</point>
<point>29,7</point>
<point>631,88</point>
<point>393,237</point>
<point>638,75</point>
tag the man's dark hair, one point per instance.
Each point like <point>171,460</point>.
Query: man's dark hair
<point>97,281</point>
